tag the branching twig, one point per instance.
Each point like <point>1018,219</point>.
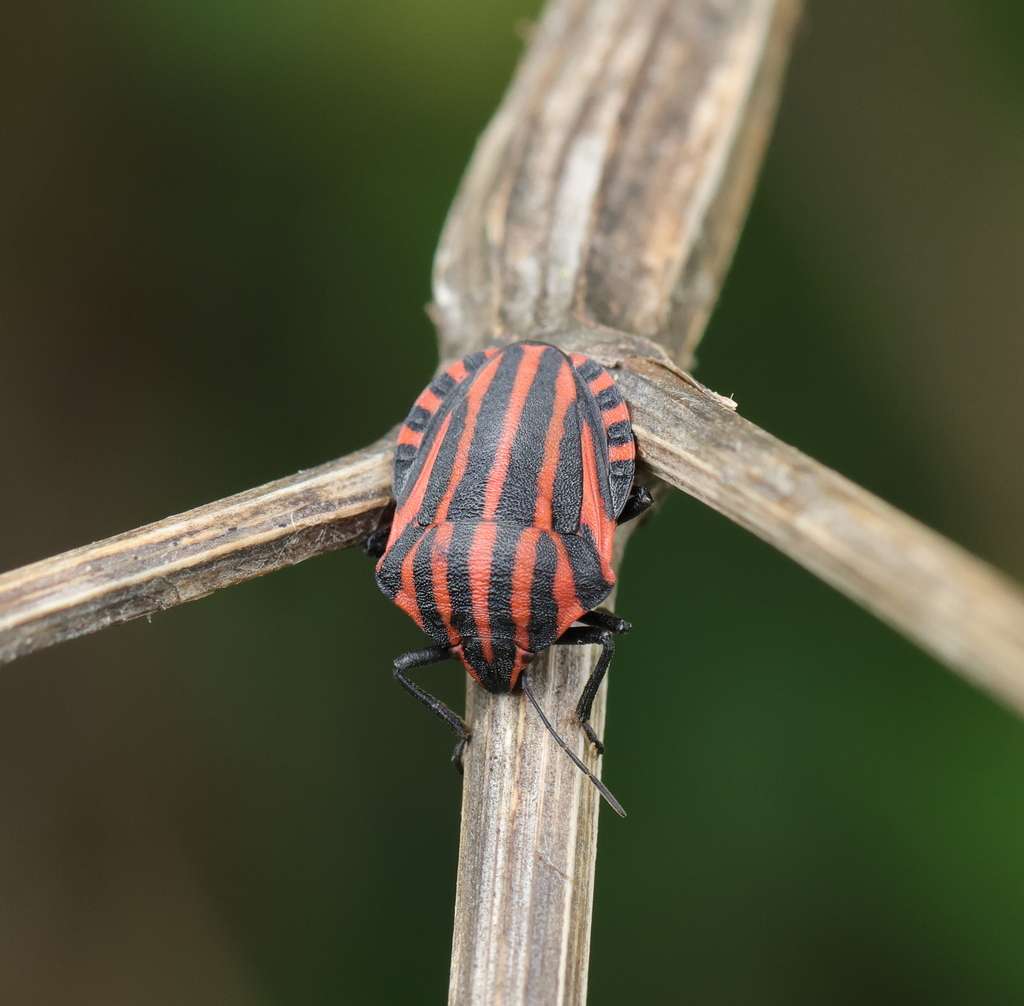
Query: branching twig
<point>195,553</point>
<point>599,213</point>
<point>960,609</point>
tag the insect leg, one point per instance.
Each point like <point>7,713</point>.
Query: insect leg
<point>604,619</point>
<point>639,500</point>
<point>376,543</point>
<point>420,658</point>
<point>583,636</point>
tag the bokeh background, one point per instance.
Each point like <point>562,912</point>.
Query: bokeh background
<point>218,219</point>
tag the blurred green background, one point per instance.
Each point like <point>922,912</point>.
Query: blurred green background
<point>218,220</point>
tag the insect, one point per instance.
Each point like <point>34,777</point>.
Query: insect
<point>511,473</point>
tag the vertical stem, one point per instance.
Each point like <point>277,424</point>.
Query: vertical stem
<point>529,842</point>
<point>598,213</point>
<point>528,849</point>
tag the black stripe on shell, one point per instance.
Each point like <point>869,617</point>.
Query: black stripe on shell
<point>608,398</point>
<point>567,494</point>
<point>518,503</point>
<point>468,498</point>
<point>494,674</point>
<point>442,384</point>
<point>389,570</point>
<point>423,584</point>
<point>591,586</point>
<point>620,476</point>
<point>460,578</point>
<point>418,418</point>
<point>405,454</point>
<point>499,592</point>
<point>590,370</point>
<point>620,433</point>
<point>474,361</point>
<point>543,625</point>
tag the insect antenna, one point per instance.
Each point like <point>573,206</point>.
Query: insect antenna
<point>601,787</point>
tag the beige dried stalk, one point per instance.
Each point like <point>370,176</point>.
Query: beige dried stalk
<point>599,213</point>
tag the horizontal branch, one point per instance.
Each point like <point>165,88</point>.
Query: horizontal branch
<point>194,553</point>
<point>958,608</point>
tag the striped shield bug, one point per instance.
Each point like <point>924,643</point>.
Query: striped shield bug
<point>511,473</point>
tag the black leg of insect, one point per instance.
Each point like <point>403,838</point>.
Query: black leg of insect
<point>376,543</point>
<point>420,658</point>
<point>639,500</point>
<point>598,627</point>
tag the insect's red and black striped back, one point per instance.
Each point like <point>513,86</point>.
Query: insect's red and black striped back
<point>618,431</point>
<point>509,473</point>
<point>423,419</point>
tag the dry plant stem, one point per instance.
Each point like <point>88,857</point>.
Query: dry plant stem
<point>968,615</point>
<point>529,842</point>
<point>611,184</point>
<point>599,213</point>
<point>192,554</point>
<point>964,612</point>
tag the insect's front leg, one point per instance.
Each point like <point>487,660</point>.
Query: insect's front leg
<point>420,658</point>
<point>376,543</point>
<point>638,501</point>
<point>604,619</point>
